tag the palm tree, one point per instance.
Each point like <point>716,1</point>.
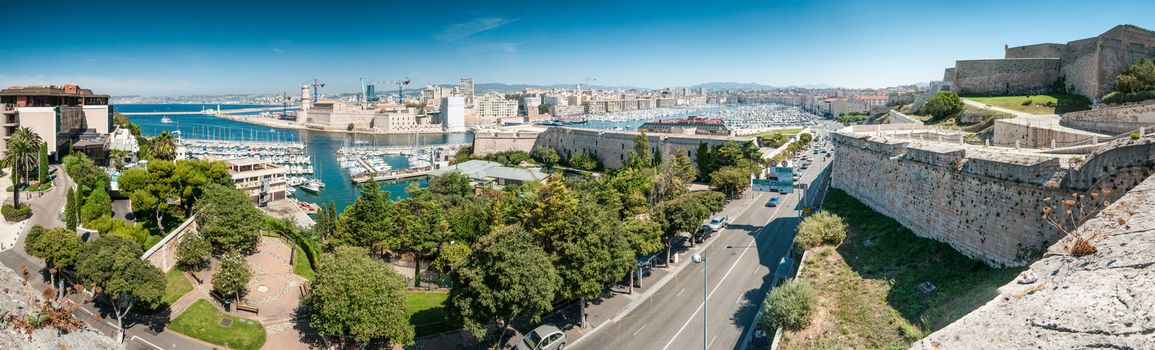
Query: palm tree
<point>23,149</point>
<point>162,147</point>
<point>118,158</point>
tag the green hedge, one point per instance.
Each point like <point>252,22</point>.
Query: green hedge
<point>16,214</point>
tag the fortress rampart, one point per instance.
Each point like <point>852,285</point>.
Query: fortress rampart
<point>611,147</point>
<point>1116,120</point>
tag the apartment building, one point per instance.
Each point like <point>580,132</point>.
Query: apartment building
<point>59,114</point>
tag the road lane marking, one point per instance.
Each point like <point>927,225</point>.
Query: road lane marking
<point>146,342</point>
<point>711,341</point>
<point>640,329</point>
<point>739,301</point>
<point>719,283</point>
<point>680,292</point>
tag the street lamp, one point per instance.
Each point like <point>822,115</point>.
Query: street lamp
<point>698,258</point>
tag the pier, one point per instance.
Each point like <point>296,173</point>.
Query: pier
<point>219,112</point>
<point>394,175</point>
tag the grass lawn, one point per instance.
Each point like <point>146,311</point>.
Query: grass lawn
<point>868,284</point>
<point>1062,103</point>
<point>790,131</point>
<point>301,263</point>
<point>203,321</point>
<point>176,286</point>
<point>425,308</point>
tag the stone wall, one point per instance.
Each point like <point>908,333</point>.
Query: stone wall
<point>985,208</point>
<point>1119,119</point>
<point>612,147</point>
<point>1035,133</point>
<point>896,117</point>
<point>1078,69</point>
<point>1118,48</point>
<point>1103,300</point>
<point>1005,76</point>
<point>1118,165</point>
<point>486,142</point>
<point>1048,50</point>
<point>163,254</point>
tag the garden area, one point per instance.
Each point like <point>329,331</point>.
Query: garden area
<point>884,287</point>
<point>427,313</point>
<point>203,321</point>
<point>1049,103</point>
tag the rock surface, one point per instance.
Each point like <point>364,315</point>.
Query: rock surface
<point>15,299</point>
<point>1103,300</point>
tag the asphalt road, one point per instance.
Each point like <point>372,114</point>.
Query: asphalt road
<point>740,266</point>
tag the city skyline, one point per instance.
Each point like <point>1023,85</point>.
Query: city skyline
<point>138,49</point>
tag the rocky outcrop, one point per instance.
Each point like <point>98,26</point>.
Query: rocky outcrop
<point>15,302</point>
<point>1104,300</point>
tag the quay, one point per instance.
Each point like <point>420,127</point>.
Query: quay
<point>394,175</point>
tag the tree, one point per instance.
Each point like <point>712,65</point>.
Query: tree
<point>59,247</point>
<point>421,229</point>
<point>107,226</point>
<point>543,108</point>
<point>1136,77</point>
<point>463,153</point>
<point>586,160</point>
<point>358,297</point>
<point>548,211</point>
<point>117,157</point>
<point>43,163</point>
<point>942,104</point>
<point>233,275</point>
<point>451,183</point>
<point>71,210</point>
<point>162,147</point>
<point>112,265</point>
<point>326,223</point>
<point>98,204</point>
<point>704,160</point>
<point>731,180</point>
<point>85,173</point>
<point>545,155</point>
<point>774,140</point>
<point>641,156</point>
<point>589,253</point>
<point>675,175</point>
<point>791,305</point>
<point>171,189</point>
<point>369,222</point>
<point>506,276</point>
<point>228,220</point>
<point>805,138</point>
<point>684,213</point>
<point>821,228</point>
<point>22,151</point>
<point>193,252</point>
<point>349,127</point>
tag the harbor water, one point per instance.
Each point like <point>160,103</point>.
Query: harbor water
<point>321,147</point>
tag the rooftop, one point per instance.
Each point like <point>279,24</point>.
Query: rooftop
<point>49,90</point>
<point>483,169</point>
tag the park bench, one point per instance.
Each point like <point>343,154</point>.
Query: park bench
<point>248,308</point>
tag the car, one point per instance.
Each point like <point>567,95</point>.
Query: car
<point>796,177</point>
<point>717,222</point>
<point>544,337</point>
<point>815,151</point>
<point>773,202</point>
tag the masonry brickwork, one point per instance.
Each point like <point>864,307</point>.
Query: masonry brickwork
<point>1086,67</point>
<point>1119,119</point>
<point>985,204</point>
<point>612,147</point>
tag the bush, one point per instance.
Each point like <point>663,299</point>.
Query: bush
<point>13,214</point>
<point>1027,102</point>
<point>791,305</point>
<point>942,104</point>
<point>1135,136</point>
<point>349,127</point>
<point>1120,97</point>
<point>821,228</point>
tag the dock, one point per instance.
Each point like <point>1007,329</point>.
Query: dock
<point>394,175</point>
<point>218,112</point>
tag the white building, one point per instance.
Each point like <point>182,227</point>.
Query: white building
<point>452,114</point>
<point>489,109</point>
<point>531,102</point>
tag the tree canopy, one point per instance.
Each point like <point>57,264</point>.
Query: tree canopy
<point>359,297</point>
<point>232,276</point>
<point>114,266</point>
<point>59,247</point>
<point>942,104</point>
<point>228,220</point>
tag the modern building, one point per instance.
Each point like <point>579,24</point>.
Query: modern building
<point>531,102</point>
<point>59,114</point>
<point>489,109</point>
<point>121,140</point>
<point>688,126</point>
<point>492,174</point>
<point>452,114</point>
<point>467,90</point>
<point>263,181</point>
<point>370,92</point>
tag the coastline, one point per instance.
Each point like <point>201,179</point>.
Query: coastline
<point>284,124</point>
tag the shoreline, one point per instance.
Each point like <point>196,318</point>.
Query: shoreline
<point>282,124</point>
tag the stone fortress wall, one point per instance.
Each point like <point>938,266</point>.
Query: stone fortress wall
<point>985,204</point>
<point>610,146</point>
<point>1118,119</point>
<point>487,141</point>
<point>1016,76</point>
<point>1087,66</point>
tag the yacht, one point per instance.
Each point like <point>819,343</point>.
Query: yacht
<point>311,186</point>
<point>166,120</point>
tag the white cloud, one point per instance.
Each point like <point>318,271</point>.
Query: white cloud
<point>116,86</point>
<point>457,31</point>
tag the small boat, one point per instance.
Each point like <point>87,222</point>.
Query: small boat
<point>166,120</point>
<point>311,187</point>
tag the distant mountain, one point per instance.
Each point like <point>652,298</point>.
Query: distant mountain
<point>754,86</point>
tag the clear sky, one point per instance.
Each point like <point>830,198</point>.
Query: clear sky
<point>213,47</point>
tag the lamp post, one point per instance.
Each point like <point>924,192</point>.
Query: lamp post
<point>698,258</point>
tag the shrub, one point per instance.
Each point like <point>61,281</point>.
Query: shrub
<point>791,305</point>
<point>1120,97</point>
<point>1027,102</point>
<point>349,127</point>
<point>942,104</point>
<point>821,228</point>
<point>13,214</point>
<point>1135,136</point>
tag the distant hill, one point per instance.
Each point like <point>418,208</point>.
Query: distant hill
<point>755,86</point>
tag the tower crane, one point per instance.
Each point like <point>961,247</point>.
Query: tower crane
<point>400,89</point>
<point>316,89</point>
<point>285,104</point>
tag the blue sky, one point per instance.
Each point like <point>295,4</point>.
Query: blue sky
<point>213,47</point>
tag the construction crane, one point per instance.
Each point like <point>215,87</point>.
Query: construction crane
<point>400,89</point>
<point>316,89</point>
<point>285,104</point>
<point>587,80</point>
